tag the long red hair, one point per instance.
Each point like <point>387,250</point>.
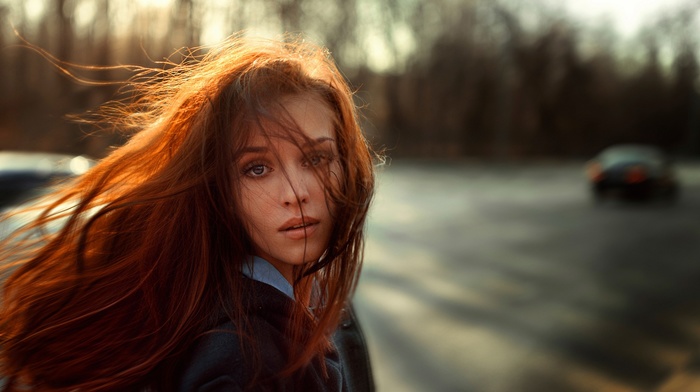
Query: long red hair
<point>150,243</point>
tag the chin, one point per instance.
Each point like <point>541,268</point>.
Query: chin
<point>309,257</point>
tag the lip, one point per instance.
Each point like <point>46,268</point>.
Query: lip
<point>301,232</point>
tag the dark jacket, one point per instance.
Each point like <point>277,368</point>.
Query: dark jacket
<point>217,362</point>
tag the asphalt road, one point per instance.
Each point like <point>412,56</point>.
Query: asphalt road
<point>509,278</point>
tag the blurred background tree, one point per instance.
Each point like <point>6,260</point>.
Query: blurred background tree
<point>446,78</point>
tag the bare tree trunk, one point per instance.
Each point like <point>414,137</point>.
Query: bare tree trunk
<point>65,41</point>
<point>184,24</point>
<point>290,15</point>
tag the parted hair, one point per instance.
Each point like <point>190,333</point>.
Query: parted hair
<point>122,268</point>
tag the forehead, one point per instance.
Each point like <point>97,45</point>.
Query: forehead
<point>298,119</point>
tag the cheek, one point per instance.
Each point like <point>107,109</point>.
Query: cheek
<point>255,208</point>
<point>333,187</point>
<point>247,202</point>
<point>336,180</point>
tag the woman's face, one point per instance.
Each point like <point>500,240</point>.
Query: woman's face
<point>283,186</point>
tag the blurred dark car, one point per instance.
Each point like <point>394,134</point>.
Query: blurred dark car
<point>25,174</point>
<point>632,171</point>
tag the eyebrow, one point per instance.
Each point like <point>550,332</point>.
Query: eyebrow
<point>318,141</point>
<point>310,143</point>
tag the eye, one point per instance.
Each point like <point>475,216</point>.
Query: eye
<point>256,170</point>
<point>318,159</point>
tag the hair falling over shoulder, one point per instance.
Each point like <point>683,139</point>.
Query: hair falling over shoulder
<point>146,248</point>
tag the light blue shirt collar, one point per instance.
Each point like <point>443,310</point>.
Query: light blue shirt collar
<point>261,270</point>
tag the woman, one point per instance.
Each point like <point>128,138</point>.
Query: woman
<point>215,251</point>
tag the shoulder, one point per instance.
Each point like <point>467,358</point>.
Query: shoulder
<point>214,363</point>
<point>221,360</point>
<point>351,346</point>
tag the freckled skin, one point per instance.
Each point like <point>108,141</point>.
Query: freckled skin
<point>281,183</point>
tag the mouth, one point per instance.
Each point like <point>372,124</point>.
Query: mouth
<point>298,223</point>
<point>298,228</point>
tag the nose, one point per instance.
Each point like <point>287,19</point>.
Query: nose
<point>295,191</point>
